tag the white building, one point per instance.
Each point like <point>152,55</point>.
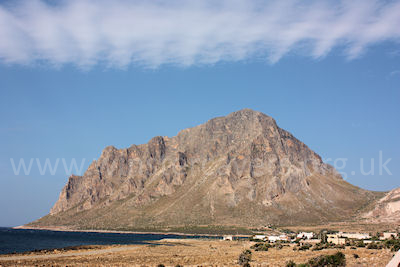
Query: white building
<point>388,235</point>
<point>273,238</point>
<point>284,238</point>
<point>260,237</point>
<point>227,238</point>
<point>305,235</point>
<point>336,239</point>
<point>359,236</point>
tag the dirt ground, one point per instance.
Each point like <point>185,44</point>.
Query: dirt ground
<point>186,252</point>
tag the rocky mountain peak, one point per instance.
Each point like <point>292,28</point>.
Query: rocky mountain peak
<point>247,114</point>
<point>242,163</point>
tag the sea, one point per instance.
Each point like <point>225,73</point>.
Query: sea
<point>23,240</point>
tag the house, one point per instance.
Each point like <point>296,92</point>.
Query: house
<point>260,237</point>
<point>359,236</point>
<point>284,237</point>
<point>227,238</point>
<point>336,239</point>
<point>305,235</point>
<point>388,235</point>
<point>273,238</point>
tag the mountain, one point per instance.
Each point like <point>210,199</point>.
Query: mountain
<point>241,169</point>
<point>387,209</point>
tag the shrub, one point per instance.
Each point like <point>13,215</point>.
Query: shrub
<point>360,244</point>
<point>318,248</point>
<point>390,242</point>
<point>340,246</point>
<point>322,246</point>
<point>291,263</point>
<point>356,256</point>
<point>395,247</point>
<point>261,246</point>
<point>375,237</point>
<point>372,245</point>
<point>244,258</point>
<point>393,244</point>
<point>335,260</point>
<point>305,247</point>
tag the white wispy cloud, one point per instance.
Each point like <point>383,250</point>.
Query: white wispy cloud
<point>189,32</point>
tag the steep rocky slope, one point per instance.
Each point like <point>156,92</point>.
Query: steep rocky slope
<point>241,169</point>
<point>387,209</point>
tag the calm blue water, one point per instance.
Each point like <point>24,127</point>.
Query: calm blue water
<point>20,240</point>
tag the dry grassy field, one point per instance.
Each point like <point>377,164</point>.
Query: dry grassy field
<point>186,252</point>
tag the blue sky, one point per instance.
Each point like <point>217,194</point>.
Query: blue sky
<point>64,95</point>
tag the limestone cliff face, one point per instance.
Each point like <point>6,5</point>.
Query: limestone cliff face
<point>387,209</point>
<point>240,169</point>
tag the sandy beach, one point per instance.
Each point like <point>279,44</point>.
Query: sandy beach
<point>185,252</point>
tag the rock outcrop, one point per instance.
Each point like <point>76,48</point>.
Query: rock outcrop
<point>241,169</point>
<point>387,209</point>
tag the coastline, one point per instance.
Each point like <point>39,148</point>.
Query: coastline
<point>67,229</point>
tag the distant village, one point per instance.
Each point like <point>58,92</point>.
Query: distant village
<point>323,237</point>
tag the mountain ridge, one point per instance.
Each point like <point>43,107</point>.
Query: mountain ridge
<point>240,169</point>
